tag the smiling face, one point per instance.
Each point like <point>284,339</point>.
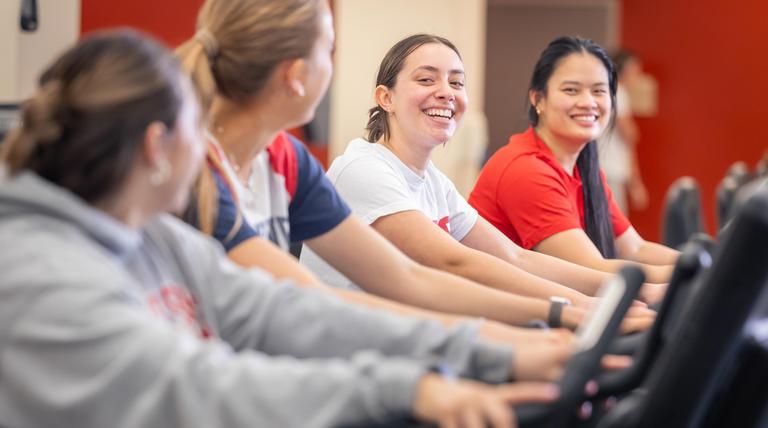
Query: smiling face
<point>576,107</point>
<point>428,100</point>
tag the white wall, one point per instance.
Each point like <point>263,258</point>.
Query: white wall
<point>366,29</point>
<point>26,54</point>
<point>9,46</point>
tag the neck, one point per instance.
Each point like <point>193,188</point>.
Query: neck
<point>128,206</point>
<point>243,131</point>
<point>415,156</point>
<point>566,154</point>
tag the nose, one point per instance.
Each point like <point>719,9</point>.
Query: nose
<point>445,91</point>
<point>586,99</point>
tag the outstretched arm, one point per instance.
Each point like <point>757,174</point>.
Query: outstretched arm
<point>419,238</point>
<point>373,263</point>
<point>575,246</point>
<point>263,254</point>
<point>631,246</point>
<point>486,238</point>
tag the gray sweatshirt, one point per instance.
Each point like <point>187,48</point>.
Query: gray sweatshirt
<point>105,326</point>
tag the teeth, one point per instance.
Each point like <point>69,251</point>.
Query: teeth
<point>447,113</point>
<point>586,117</point>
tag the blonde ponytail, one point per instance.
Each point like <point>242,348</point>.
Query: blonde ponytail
<point>198,64</point>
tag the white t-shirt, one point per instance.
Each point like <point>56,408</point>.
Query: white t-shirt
<point>263,202</point>
<point>375,183</point>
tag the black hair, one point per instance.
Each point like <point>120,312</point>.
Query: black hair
<point>620,58</point>
<point>597,219</point>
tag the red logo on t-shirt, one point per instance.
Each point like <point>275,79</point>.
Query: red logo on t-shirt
<point>174,303</point>
<point>443,224</point>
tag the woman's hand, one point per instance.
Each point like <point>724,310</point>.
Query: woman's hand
<point>638,318</point>
<point>653,293</point>
<point>475,405</point>
<point>544,357</point>
<point>499,332</point>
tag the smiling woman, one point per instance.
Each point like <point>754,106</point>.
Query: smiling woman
<point>545,189</point>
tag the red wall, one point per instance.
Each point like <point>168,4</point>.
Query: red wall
<point>172,21</point>
<point>709,58</point>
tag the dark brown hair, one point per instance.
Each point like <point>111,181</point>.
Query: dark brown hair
<point>83,127</point>
<point>378,122</point>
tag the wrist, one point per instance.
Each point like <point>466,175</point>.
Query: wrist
<point>555,315</point>
<point>572,317</point>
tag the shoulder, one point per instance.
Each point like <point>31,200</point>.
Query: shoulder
<point>55,254</point>
<point>527,168</point>
<point>521,151</point>
<point>361,162</point>
<point>169,229</point>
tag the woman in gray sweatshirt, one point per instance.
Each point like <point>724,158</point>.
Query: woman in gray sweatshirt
<point>113,314</point>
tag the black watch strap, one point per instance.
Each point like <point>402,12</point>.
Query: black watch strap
<point>555,313</point>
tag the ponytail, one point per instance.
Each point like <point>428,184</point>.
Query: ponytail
<point>378,125</point>
<point>40,126</point>
<point>198,56</point>
<point>597,220</point>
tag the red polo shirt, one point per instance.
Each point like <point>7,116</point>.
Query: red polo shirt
<point>526,193</point>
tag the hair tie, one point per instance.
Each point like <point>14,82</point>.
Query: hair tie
<point>210,45</point>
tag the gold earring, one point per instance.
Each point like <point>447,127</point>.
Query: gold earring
<point>538,111</point>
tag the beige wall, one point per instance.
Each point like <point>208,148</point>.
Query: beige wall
<point>9,46</point>
<point>29,53</point>
<point>366,29</point>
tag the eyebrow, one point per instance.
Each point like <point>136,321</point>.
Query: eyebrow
<point>434,69</point>
<point>575,82</point>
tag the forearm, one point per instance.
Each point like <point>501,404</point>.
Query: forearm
<point>459,295</point>
<point>499,274</point>
<point>655,274</point>
<point>655,254</point>
<point>582,279</point>
<point>262,254</point>
<point>373,301</point>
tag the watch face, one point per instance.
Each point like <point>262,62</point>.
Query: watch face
<point>559,299</point>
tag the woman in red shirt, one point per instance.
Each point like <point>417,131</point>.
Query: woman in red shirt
<point>545,190</point>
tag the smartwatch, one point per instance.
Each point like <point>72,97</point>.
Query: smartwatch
<point>556,304</point>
